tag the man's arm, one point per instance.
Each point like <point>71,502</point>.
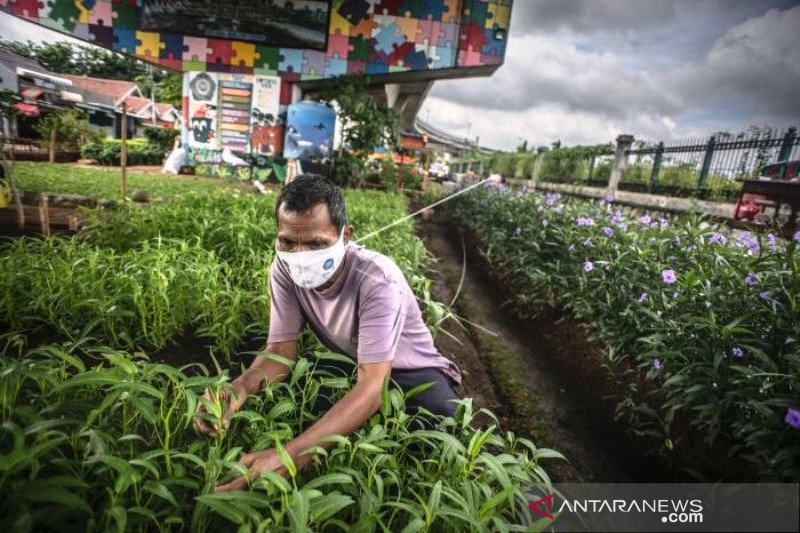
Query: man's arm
<point>347,415</point>
<point>261,369</point>
<point>266,369</point>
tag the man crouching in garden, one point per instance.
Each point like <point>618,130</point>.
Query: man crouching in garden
<point>358,303</point>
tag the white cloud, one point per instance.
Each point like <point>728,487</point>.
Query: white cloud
<point>584,90</point>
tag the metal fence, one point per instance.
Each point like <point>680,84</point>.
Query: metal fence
<point>707,167</point>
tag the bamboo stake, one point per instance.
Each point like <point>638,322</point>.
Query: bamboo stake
<point>123,156</point>
<point>44,218</point>
<point>53,135</point>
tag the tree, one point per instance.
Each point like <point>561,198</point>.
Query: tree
<point>98,62</point>
<point>72,129</point>
<point>368,124</point>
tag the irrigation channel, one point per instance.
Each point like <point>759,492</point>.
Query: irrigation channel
<point>521,371</point>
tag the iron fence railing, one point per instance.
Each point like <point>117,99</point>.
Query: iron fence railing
<point>708,167</point>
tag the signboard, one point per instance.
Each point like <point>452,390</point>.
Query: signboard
<point>283,23</point>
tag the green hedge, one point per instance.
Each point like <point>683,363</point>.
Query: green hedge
<point>140,152</point>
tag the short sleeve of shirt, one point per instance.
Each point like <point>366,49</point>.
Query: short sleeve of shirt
<point>285,316</point>
<point>381,318</point>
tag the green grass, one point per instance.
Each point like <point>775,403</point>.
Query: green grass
<point>104,183</point>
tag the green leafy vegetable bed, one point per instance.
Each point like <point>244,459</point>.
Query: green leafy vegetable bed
<point>94,435</point>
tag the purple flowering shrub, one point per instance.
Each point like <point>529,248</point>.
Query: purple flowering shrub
<point>709,316</point>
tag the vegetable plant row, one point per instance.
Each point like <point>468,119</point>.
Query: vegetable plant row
<point>104,182</point>
<point>701,325</point>
<point>96,436</point>
<point>140,277</point>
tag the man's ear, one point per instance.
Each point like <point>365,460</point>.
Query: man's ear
<point>348,233</point>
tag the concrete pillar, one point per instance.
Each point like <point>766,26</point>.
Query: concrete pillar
<point>624,143</point>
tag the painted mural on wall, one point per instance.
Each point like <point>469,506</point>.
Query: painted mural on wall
<point>309,131</point>
<point>364,36</point>
<point>266,134</point>
<point>291,24</point>
<point>233,123</point>
<point>240,112</point>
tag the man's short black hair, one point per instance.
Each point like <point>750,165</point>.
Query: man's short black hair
<point>308,190</point>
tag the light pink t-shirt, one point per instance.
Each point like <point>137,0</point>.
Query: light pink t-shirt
<point>369,313</point>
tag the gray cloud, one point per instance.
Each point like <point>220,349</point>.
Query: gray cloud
<point>551,70</point>
<point>710,65</point>
<point>754,65</point>
<point>592,16</point>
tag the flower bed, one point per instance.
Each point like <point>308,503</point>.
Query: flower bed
<point>700,324</point>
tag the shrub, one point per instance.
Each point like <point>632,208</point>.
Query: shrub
<point>108,152</point>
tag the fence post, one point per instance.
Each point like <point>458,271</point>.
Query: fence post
<point>624,143</point>
<point>707,162</point>
<point>537,165</point>
<point>656,166</point>
<point>591,168</point>
<point>786,145</point>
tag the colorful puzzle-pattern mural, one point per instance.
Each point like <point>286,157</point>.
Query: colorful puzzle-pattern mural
<point>365,37</point>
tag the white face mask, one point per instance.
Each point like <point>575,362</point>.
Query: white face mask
<point>313,268</point>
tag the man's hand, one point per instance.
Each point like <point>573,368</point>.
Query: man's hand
<point>232,400</point>
<point>257,462</point>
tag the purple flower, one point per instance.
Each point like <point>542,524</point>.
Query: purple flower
<point>643,297</point>
<point>551,199</point>
<point>585,221</point>
<point>523,189</point>
<point>657,364</point>
<point>545,223</point>
<point>587,243</point>
<point>609,198</point>
<point>773,244</point>
<point>560,208</point>
<point>750,243</point>
<point>518,231</point>
<point>616,218</point>
<point>623,226</point>
<point>663,222</point>
<point>608,232</point>
<point>751,279</point>
<point>668,275</point>
<point>588,266</point>
<point>766,295</point>
<point>737,352</point>
<point>645,220</point>
<point>716,238</point>
<point>793,418</point>
<point>796,237</point>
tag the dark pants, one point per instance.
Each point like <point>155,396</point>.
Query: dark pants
<point>438,398</point>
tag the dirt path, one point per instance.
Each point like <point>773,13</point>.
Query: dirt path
<point>511,373</point>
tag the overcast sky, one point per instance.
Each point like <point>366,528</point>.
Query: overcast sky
<point>584,71</point>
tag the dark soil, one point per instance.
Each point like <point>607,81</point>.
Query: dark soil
<point>522,371</point>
